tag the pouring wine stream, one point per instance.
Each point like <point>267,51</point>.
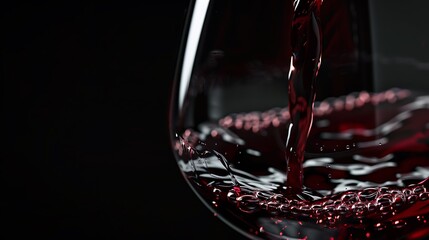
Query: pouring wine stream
<point>375,185</point>
<point>305,62</point>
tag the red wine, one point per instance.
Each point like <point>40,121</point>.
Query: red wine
<point>365,169</point>
<point>360,172</point>
<point>306,53</point>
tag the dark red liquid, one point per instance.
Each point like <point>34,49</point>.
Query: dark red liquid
<point>306,53</point>
<point>354,167</point>
<point>365,169</point>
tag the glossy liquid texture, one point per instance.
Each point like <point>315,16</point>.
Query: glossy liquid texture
<point>352,167</point>
<point>306,55</point>
<point>237,167</point>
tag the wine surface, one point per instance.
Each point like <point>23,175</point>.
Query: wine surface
<point>351,167</point>
<point>365,169</point>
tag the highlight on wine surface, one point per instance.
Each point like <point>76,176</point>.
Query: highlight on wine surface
<point>306,119</point>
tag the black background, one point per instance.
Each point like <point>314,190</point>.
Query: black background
<point>86,151</point>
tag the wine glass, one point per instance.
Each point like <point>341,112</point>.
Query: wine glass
<point>306,119</point>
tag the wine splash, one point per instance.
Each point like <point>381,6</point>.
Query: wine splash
<point>306,56</point>
<point>362,172</point>
<point>362,178</point>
